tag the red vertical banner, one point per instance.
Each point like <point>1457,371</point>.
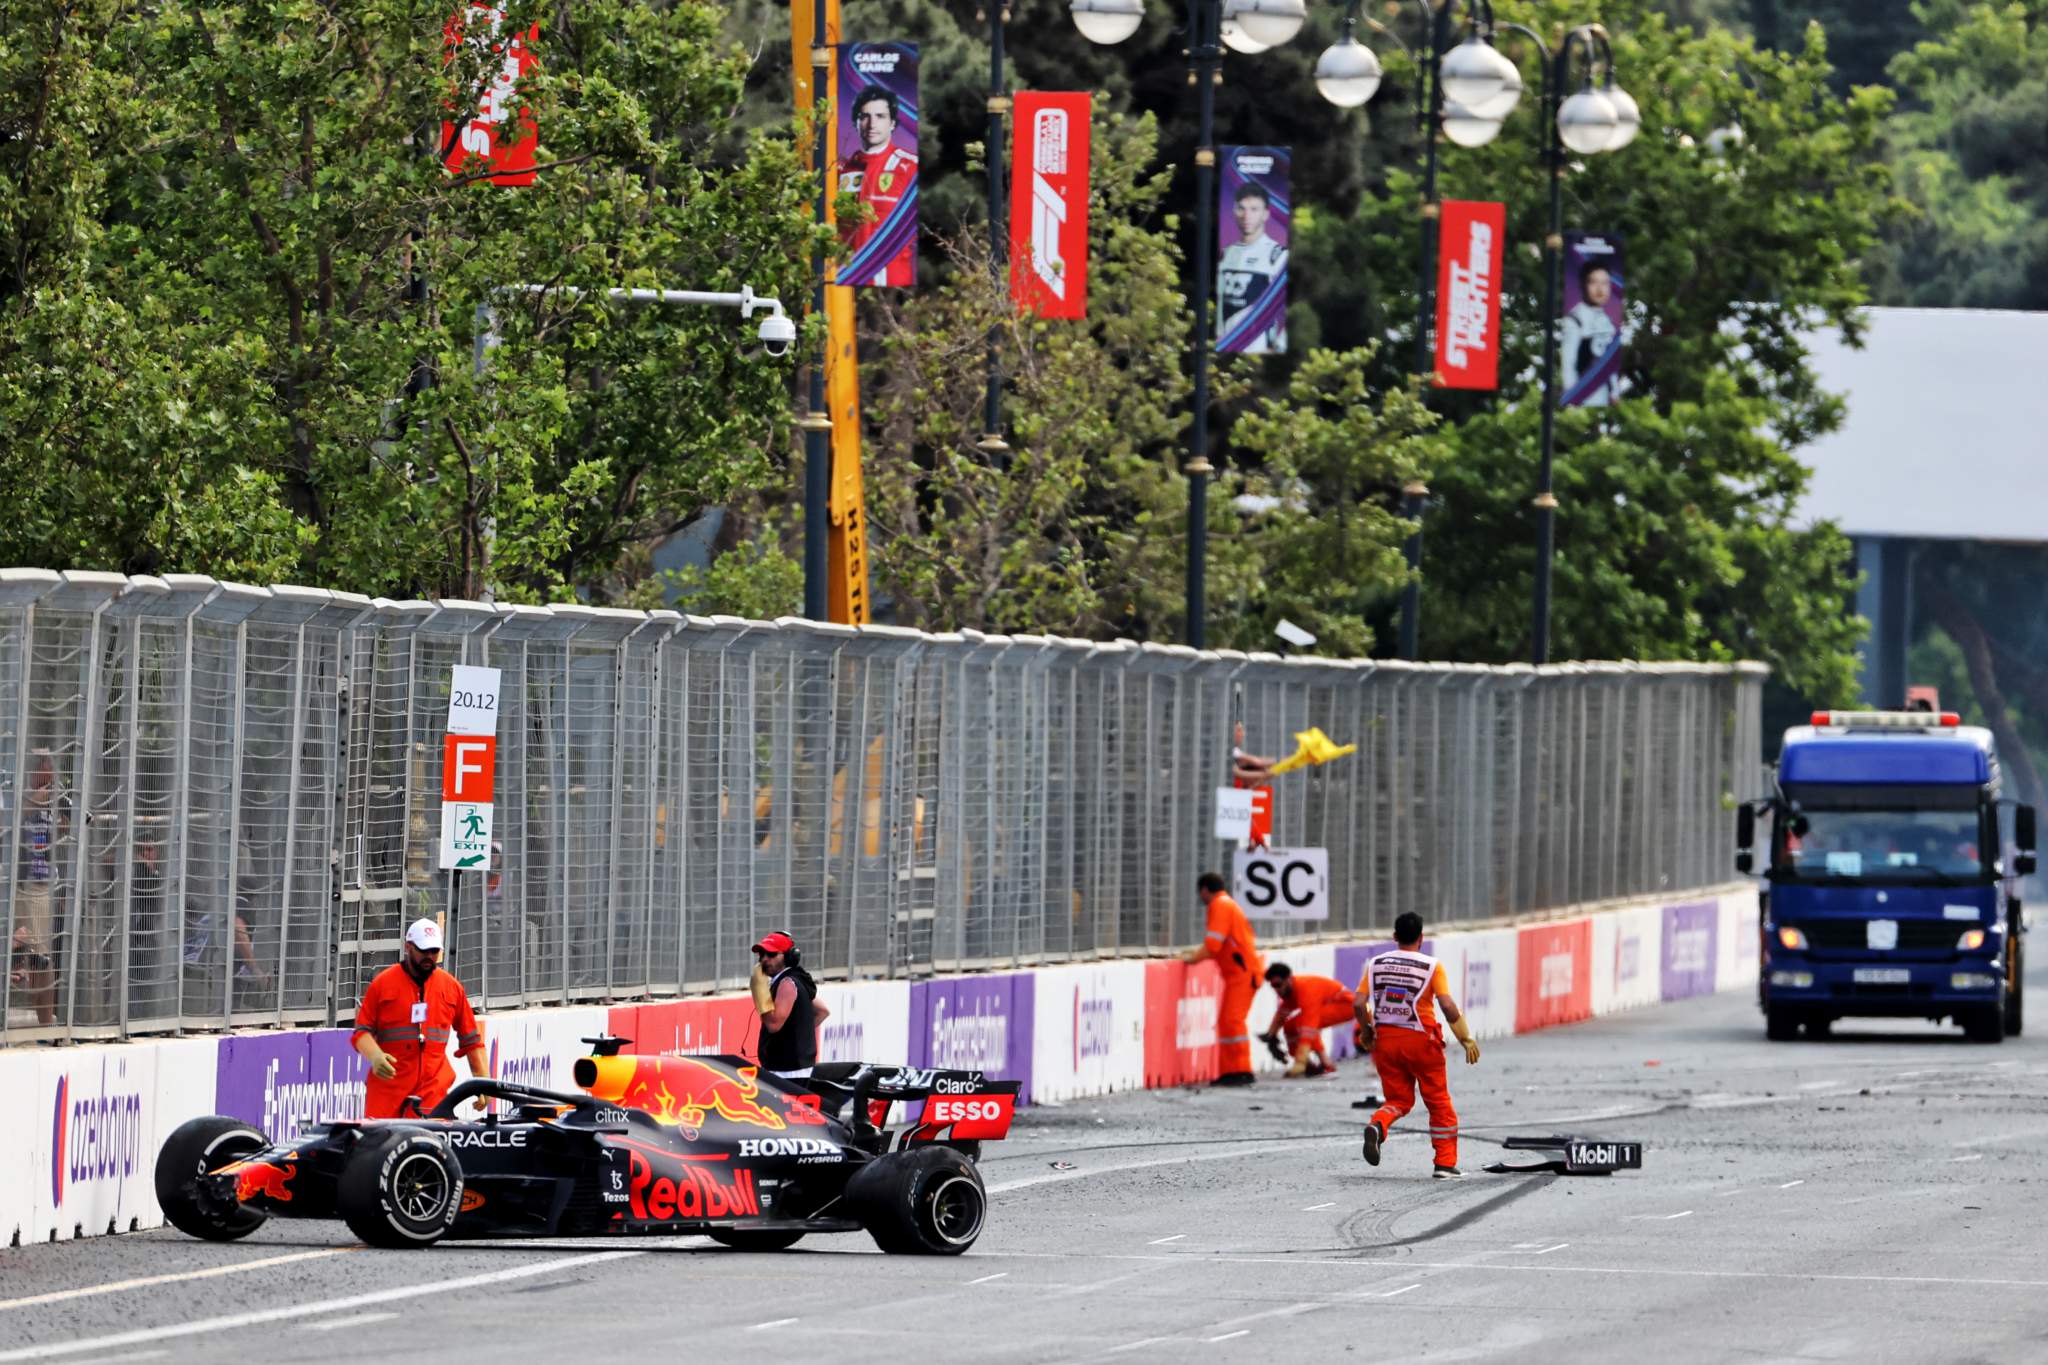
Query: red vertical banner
<point>1049,204</point>
<point>1469,249</point>
<point>500,129</point>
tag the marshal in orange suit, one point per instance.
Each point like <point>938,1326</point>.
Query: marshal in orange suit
<point>1229,943</point>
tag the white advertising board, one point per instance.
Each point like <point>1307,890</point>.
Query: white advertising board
<point>870,1022</point>
<point>1088,1024</point>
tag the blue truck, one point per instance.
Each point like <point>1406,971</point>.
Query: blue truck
<point>1891,887</point>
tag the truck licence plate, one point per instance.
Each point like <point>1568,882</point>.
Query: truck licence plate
<point>1883,976</point>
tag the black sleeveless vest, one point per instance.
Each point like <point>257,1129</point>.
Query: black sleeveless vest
<point>795,1046</point>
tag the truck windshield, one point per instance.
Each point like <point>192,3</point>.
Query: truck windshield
<point>1941,846</point>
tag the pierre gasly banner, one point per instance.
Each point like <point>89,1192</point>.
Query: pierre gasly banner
<point>1049,204</point>
<point>1251,273</point>
<point>1469,253</point>
<point>1589,337</point>
<point>501,130</point>
<point>878,133</point>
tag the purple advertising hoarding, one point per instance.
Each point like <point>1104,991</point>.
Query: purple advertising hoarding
<point>1251,269</point>
<point>878,117</point>
<point>1690,948</point>
<point>975,1023</point>
<point>282,1082</point>
<point>1590,333</point>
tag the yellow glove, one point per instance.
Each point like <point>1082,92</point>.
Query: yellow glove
<point>1464,1032</point>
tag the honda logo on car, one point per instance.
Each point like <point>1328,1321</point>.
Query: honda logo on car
<point>693,1192</point>
<point>96,1131</point>
<point>811,1149</point>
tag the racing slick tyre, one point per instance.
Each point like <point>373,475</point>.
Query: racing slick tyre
<point>1985,1024</point>
<point>1781,1025</point>
<point>748,1239</point>
<point>196,1147</point>
<point>929,1202</point>
<point>399,1189</point>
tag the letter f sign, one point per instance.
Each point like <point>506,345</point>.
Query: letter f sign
<point>469,766</point>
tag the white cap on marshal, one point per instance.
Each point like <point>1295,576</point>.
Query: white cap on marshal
<point>424,935</point>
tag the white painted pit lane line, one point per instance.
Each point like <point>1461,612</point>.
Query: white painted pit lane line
<point>1545,1268</point>
<point>145,1335</point>
<point>178,1277</point>
<point>352,1320</point>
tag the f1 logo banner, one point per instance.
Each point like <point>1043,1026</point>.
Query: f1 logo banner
<point>1282,883</point>
<point>1049,204</point>
<point>1469,250</point>
<point>500,130</point>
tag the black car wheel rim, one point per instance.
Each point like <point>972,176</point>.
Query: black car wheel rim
<point>956,1210</point>
<point>420,1187</point>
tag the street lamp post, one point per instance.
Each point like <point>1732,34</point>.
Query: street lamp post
<point>1248,26</point>
<point>992,443</point>
<point>817,420</point>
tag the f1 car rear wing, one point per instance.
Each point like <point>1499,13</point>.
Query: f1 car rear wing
<point>1581,1156</point>
<point>959,1104</point>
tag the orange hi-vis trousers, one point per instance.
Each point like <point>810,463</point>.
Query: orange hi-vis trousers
<point>1233,1023</point>
<point>1305,1027</point>
<point>1407,1060</point>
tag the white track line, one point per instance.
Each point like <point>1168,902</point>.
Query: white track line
<point>60,1295</point>
<point>1790,1184</point>
<point>1318,1208</point>
<point>772,1322</point>
<point>352,1320</point>
<point>1241,1332</point>
<point>1397,1293</point>
<point>206,1326</point>
<point>986,1278</point>
<point>1162,1241</point>
<point>1287,1312</point>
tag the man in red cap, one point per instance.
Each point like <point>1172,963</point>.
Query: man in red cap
<point>790,1009</point>
<point>409,1013</point>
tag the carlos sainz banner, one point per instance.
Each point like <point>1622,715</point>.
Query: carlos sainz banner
<point>878,134</point>
<point>1049,204</point>
<point>1251,273</point>
<point>1469,254</point>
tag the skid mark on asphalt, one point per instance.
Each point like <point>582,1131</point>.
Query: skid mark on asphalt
<point>1357,1228</point>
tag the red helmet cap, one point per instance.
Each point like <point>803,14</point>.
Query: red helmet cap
<point>777,942</point>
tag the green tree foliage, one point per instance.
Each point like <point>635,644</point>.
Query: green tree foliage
<point>1968,146</point>
<point>1862,35</point>
<point>236,258</point>
<point>1677,536</point>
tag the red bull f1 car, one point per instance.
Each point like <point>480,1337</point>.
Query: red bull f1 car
<point>666,1144</point>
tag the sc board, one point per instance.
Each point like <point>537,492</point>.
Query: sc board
<point>1283,883</point>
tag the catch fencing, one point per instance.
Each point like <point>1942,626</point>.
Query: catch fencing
<point>220,803</point>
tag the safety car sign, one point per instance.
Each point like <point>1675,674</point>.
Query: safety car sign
<point>1282,883</point>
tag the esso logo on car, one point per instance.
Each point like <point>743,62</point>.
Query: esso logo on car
<point>964,1111</point>
<point>976,1116</point>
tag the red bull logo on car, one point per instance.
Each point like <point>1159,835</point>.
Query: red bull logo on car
<point>262,1177</point>
<point>692,1192</point>
<point>680,1091</point>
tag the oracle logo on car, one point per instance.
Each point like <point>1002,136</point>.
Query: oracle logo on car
<point>96,1130</point>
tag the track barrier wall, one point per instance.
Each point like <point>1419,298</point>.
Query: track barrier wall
<point>82,1162</point>
<point>219,803</point>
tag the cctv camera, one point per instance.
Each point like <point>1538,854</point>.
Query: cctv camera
<point>777,334</point>
<point>1293,634</point>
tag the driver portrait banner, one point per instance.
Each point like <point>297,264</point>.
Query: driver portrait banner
<point>1251,271</point>
<point>1590,332</point>
<point>1049,204</point>
<point>1470,245</point>
<point>500,130</point>
<point>878,120</point>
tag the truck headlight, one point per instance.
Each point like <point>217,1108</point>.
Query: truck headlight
<point>1790,937</point>
<point>1971,940</point>
<point>1797,981</point>
<point>1972,981</point>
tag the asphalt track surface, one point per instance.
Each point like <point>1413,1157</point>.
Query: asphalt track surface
<point>1878,1197</point>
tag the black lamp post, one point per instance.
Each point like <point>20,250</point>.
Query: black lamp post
<point>817,422</point>
<point>992,443</point>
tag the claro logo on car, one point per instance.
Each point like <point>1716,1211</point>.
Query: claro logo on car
<point>96,1130</point>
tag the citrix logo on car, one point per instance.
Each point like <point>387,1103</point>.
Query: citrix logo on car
<point>96,1130</point>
